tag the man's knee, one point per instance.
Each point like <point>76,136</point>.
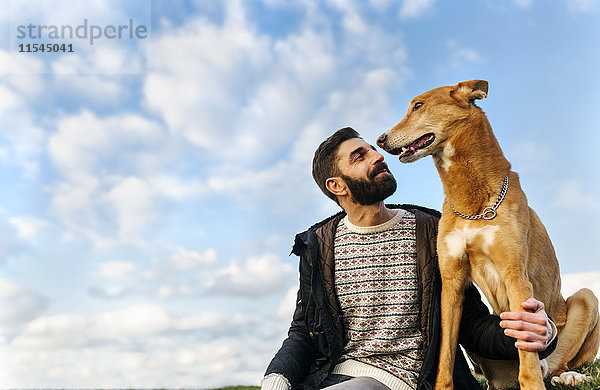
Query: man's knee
<point>359,383</point>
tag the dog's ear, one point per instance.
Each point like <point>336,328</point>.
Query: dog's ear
<point>470,90</point>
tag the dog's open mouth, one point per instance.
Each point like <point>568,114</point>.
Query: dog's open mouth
<point>419,143</point>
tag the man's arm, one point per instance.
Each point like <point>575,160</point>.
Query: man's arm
<point>295,357</point>
<point>482,333</point>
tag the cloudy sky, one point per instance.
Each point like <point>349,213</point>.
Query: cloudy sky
<point>152,185</point>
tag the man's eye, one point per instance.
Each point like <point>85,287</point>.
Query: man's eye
<point>417,106</point>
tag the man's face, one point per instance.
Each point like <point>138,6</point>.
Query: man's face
<point>364,172</point>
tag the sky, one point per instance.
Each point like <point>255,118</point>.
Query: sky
<point>153,182</point>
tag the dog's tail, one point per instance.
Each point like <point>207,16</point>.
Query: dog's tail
<point>579,339</point>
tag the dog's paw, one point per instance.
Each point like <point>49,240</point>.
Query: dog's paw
<point>570,378</point>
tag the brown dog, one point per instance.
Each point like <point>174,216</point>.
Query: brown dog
<point>489,235</point>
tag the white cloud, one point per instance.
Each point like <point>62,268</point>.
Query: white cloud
<point>5,57</point>
<point>149,363</point>
<point>19,66</point>
<point>96,90</point>
<point>274,187</point>
<point>308,75</point>
<point>135,321</point>
<point>461,56</point>
<point>24,79</point>
<point>352,20</point>
<point>178,289</point>
<point>103,162</point>
<point>254,277</point>
<point>75,201</point>
<point>112,291</point>
<point>380,5</point>
<point>78,331</point>
<point>528,156</point>
<point>523,3</point>
<point>18,305</point>
<point>575,281</point>
<point>102,60</point>
<point>115,269</point>
<point>176,188</point>
<point>27,226</point>
<point>183,259</point>
<point>572,195</point>
<point>65,13</point>
<point>201,321</point>
<point>213,323</point>
<point>571,283</point>
<point>199,69</point>
<point>273,86</point>
<point>57,331</point>
<point>135,205</point>
<point>107,210</point>
<point>9,100</point>
<point>140,324</point>
<point>179,274</point>
<point>288,305</point>
<point>10,241</point>
<point>84,142</point>
<point>582,5</point>
<point>22,139</point>
<point>415,8</point>
<point>467,55</point>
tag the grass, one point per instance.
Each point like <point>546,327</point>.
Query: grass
<point>593,370</point>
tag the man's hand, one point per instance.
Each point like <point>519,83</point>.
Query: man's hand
<point>532,328</point>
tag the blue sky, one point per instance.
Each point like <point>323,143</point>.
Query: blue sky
<point>152,187</point>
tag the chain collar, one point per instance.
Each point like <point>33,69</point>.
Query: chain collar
<point>488,212</point>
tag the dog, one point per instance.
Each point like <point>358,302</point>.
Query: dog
<point>489,235</point>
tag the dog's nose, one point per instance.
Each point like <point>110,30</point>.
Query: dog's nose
<point>381,140</point>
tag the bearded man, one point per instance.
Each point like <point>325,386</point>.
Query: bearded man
<point>368,307</point>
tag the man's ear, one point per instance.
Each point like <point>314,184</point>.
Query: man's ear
<point>470,91</point>
<point>336,186</point>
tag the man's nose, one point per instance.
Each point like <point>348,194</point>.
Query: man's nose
<point>381,140</point>
<point>378,157</point>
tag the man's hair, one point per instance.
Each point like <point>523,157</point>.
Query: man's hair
<point>325,162</point>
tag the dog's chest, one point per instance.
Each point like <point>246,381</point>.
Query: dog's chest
<point>468,239</point>
<point>477,243</point>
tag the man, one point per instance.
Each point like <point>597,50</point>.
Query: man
<point>368,308</point>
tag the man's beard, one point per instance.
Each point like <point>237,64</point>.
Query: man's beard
<point>370,191</point>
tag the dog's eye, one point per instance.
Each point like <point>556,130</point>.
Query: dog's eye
<point>417,106</point>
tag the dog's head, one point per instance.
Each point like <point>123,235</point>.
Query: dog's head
<point>431,119</point>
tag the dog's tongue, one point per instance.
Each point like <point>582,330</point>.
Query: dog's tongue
<point>420,142</point>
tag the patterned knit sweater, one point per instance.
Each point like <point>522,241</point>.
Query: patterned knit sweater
<point>377,285</point>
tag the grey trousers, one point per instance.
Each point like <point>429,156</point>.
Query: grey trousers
<point>344,382</point>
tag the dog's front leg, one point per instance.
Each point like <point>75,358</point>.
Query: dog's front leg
<point>454,272</point>
<point>518,290</point>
